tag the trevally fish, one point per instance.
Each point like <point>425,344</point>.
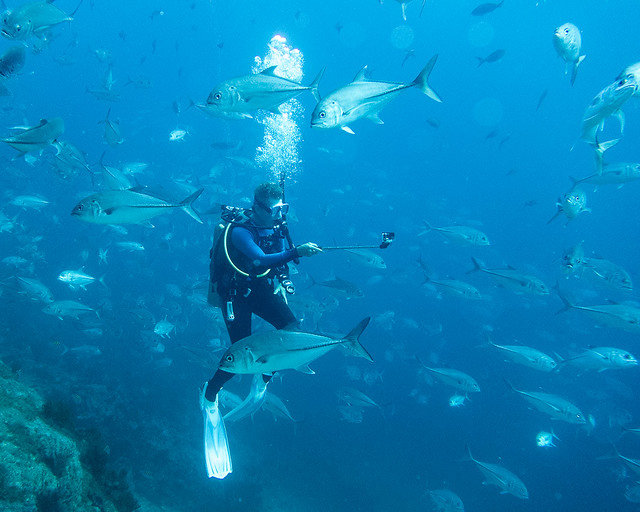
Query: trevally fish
<point>12,61</point>
<point>463,235</point>
<point>445,500</point>
<point>567,42</point>
<point>512,279</point>
<point>527,356</point>
<point>129,207</point>
<point>607,103</point>
<point>553,405</point>
<point>609,273</point>
<point>272,351</point>
<point>34,202</point>
<point>31,20</point>
<point>486,8</point>
<point>366,257</point>
<point>601,359</point>
<point>342,286</point>
<point>455,378</point>
<point>623,316</point>
<point>632,71</point>
<point>457,400</point>
<point>571,204</point>
<point>62,308</point>
<point>266,90</point>
<point>163,328</point>
<point>365,98</point>
<point>112,132</point>
<point>355,398</point>
<point>455,288</point>
<point>69,158</point>
<point>35,289</point>
<point>77,278</point>
<point>612,174</point>
<point>633,464</point>
<point>492,57</point>
<point>573,258</point>
<point>545,439</point>
<point>503,478</point>
<point>36,138</point>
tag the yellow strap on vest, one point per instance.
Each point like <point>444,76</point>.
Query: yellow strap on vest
<point>226,253</point>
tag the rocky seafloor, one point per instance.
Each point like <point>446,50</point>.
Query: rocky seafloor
<point>46,465</point>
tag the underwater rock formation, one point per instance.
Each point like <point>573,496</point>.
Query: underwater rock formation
<point>46,466</point>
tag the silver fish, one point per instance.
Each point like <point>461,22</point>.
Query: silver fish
<point>511,278</point>
<point>355,398</point>
<point>501,477</point>
<point>609,273</point>
<point>607,103</point>
<point>632,71</point>
<point>573,258</point>
<point>553,405</point>
<point>545,439</point>
<point>280,350</point>
<point>35,289</point>
<point>236,97</point>
<point>31,20</point>
<point>112,133</point>
<point>455,378</point>
<point>62,308</point>
<point>463,235</point>
<point>36,138</point>
<point>365,98</point>
<point>567,42</point>
<point>456,288</point>
<point>571,204</point>
<point>622,316</point>
<point>602,358</point>
<point>129,207</point>
<point>612,174</point>
<point>445,500</point>
<point>527,356</point>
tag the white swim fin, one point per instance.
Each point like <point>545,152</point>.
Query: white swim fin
<point>216,446</point>
<point>252,402</point>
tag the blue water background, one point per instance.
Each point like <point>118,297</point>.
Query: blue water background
<point>348,189</point>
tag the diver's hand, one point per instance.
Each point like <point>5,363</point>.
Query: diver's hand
<point>308,249</point>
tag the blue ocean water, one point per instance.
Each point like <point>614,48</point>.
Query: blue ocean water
<point>485,157</point>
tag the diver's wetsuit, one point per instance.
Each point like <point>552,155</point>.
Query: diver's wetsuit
<point>255,295</point>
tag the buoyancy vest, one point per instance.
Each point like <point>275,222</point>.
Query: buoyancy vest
<point>230,270</point>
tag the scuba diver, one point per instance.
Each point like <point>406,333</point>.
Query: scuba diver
<point>249,275</point>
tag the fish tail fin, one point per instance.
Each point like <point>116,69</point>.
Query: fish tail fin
<point>481,61</point>
<point>353,339</point>
<point>421,80</point>
<point>600,148</point>
<point>469,456</point>
<point>186,205</point>
<point>574,71</point>
<point>567,304</point>
<point>427,228</point>
<point>73,13</point>
<point>477,265</point>
<point>508,383</point>
<point>314,85</point>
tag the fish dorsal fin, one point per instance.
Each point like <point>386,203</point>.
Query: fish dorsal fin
<point>361,76</point>
<point>270,71</point>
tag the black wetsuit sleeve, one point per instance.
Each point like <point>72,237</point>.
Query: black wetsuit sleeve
<point>243,241</point>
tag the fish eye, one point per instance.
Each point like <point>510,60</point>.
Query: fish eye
<point>322,115</point>
<point>229,358</point>
<point>217,96</point>
<point>566,30</point>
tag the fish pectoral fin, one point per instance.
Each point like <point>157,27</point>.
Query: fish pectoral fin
<point>375,118</point>
<point>348,130</point>
<point>305,369</point>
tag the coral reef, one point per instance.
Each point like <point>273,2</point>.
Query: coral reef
<point>48,466</point>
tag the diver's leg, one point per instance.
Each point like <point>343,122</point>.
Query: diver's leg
<point>238,328</point>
